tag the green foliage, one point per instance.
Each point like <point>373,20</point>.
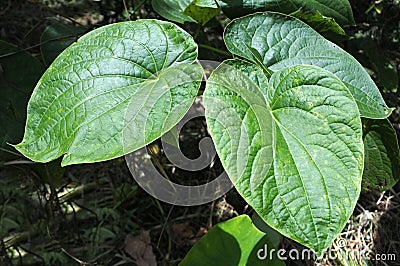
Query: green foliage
<point>372,57</point>
<point>382,158</point>
<point>296,43</point>
<point>285,116</point>
<point>237,239</point>
<point>88,216</point>
<point>340,10</point>
<point>79,104</point>
<point>317,21</point>
<point>173,10</point>
<point>200,11</point>
<point>56,38</point>
<point>19,72</point>
<point>290,177</point>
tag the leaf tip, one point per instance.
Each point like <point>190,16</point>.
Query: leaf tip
<point>389,111</point>
<point>67,160</point>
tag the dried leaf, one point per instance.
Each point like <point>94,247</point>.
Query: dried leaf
<point>139,248</point>
<point>182,233</point>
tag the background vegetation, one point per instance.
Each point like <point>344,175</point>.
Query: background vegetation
<point>95,213</point>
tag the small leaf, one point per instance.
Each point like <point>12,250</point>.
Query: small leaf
<point>202,10</point>
<point>382,159</point>
<point>173,10</point>
<point>385,70</point>
<point>292,148</point>
<point>19,71</point>
<point>374,58</point>
<point>284,41</point>
<point>56,38</point>
<point>318,22</point>
<point>79,104</point>
<point>7,225</point>
<point>339,10</point>
<point>234,242</point>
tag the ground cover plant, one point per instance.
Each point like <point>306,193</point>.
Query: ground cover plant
<point>298,124</point>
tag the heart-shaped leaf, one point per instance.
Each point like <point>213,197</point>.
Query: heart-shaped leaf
<point>340,10</point>
<point>234,242</point>
<point>382,159</point>
<point>79,104</point>
<point>292,148</point>
<point>284,41</point>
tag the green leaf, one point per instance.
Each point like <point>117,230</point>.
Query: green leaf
<point>317,21</point>
<point>385,70</point>
<point>292,148</point>
<point>56,38</point>
<point>340,10</point>
<point>382,159</point>
<point>19,71</point>
<point>234,242</point>
<point>181,11</point>
<point>273,235</point>
<point>202,10</point>
<point>286,41</point>
<point>7,225</point>
<point>375,58</point>
<point>173,10</point>
<point>79,104</point>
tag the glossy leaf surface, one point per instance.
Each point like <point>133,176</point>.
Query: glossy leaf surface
<point>282,41</point>
<point>292,147</point>
<point>234,242</point>
<point>79,104</point>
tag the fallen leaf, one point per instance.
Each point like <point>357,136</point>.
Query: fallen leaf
<point>182,233</point>
<point>139,248</point>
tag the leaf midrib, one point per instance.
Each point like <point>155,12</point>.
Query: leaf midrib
<point>301,178</point>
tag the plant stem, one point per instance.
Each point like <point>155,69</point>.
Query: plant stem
<point>82,189</point>
<point>214,49</point>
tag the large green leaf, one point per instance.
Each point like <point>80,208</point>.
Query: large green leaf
<point>292,148</point>
<point>234,242</point>
<point>382,159</point>
<point>340,10</point>
<point>79,104</point>
<point>283,41</point>
<point>19,72</point>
